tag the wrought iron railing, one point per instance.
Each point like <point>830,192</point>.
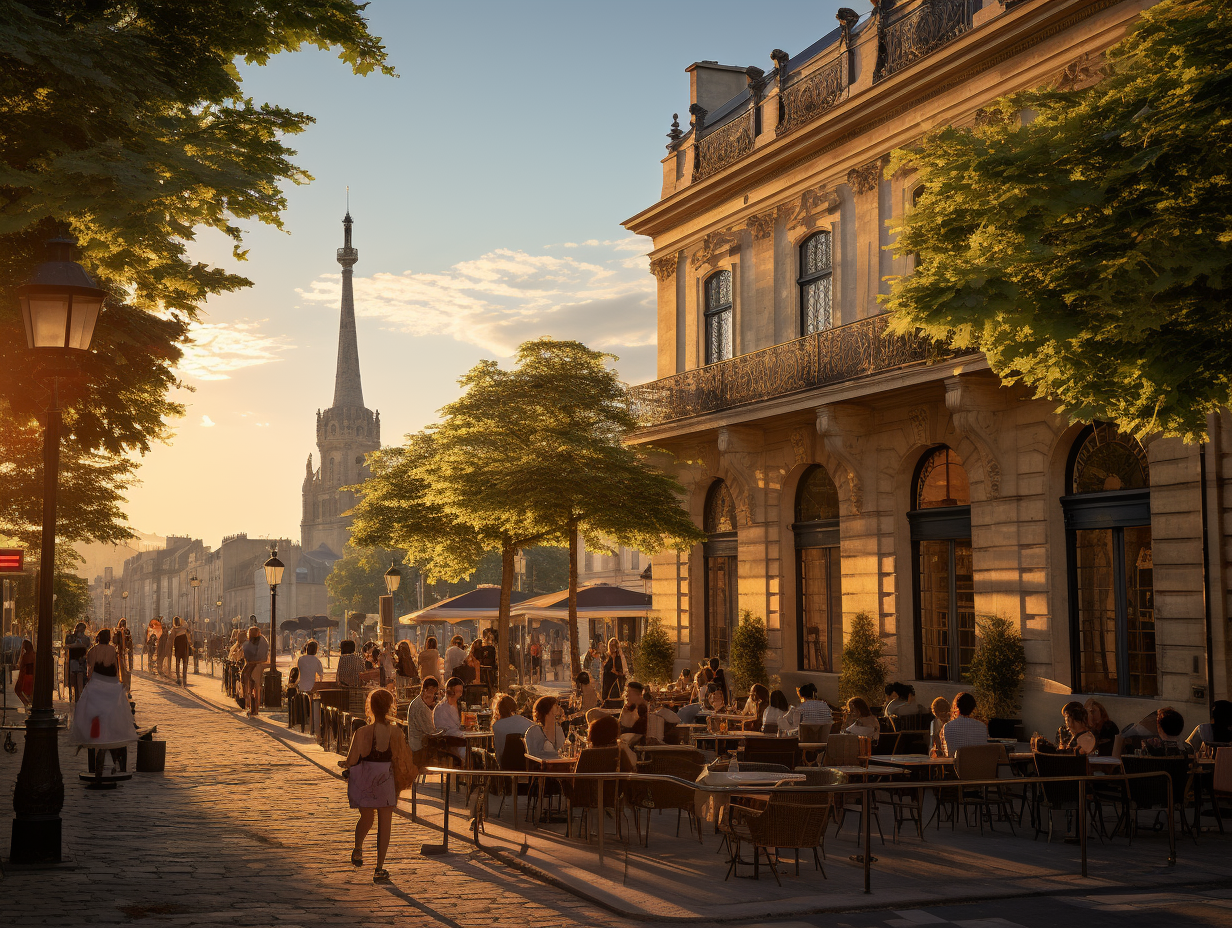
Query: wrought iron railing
<point>855,350</point>
<point>919,32</point>
<point>725,145</point>
<point>813,95</point>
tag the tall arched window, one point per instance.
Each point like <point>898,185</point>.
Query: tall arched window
<point>719,552</point>
<point>1111,586</point>
<point>942,567</point>
<point>819,598</point>
<point>816,283</point>
<point>719,317</point>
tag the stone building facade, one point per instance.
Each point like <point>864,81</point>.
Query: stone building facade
<point>840,469</point>
<point>346,432</point>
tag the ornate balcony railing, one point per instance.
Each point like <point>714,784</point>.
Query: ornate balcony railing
<point>808,98</point>
<point>848,352</point>
<point>920,32</point>
<point>725,145</point>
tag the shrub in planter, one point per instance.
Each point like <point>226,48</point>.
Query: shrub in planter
<point>748,652</point>
<point>864,668</point>
<point>998,668</point>
<point>655,655</point>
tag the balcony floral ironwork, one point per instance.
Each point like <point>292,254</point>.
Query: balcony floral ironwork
<point>848,352</point>
<point>920,32</point>
<point>723,146</point>
<point>806,99</point>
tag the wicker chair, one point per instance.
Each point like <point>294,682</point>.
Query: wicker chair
<point>792,819</point>
<point>685,764</point>
<point>843,750</point>
<point>981,762</point>
<point>583,794</point>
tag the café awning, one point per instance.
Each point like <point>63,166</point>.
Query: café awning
<point>474,606</point>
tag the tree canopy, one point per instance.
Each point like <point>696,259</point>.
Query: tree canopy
<point>127,123</point>
<point>1081,237</point>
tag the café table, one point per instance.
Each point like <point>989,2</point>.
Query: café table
<point>562,765</point>
<point>709,805</point>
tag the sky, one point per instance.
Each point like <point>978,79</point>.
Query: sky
<point>487,184</point>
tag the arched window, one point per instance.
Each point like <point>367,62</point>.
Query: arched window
<point>819,598</point>
<point>719,553</point>
<point>333,430</point>
<point>942,574</point>
<point>719,317</point>
<point>1111,581</point>
<point>816,283</point>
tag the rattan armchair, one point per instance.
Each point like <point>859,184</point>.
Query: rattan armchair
<point>791,819</point>
<point>685,764</point>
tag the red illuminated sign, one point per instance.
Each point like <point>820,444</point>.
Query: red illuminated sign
<point>12,560</point>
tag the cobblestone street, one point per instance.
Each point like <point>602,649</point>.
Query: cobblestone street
<point>241,830</point>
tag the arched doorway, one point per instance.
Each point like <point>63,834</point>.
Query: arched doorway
<point>943,578</point>
<point>719,552</point>
<point>819,597</point>
<point>1111,579</point>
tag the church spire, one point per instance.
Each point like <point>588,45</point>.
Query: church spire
<point>347,388</point>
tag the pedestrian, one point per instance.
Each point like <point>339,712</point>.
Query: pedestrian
<point>164,651</point>
<point>102,715</point>
<point>256,656</point>
<point>487,659</point>
<point>180,641</point>
<point>76,645</point>
<point>429,660</point>
<point>122,641</point>
<point>615,671</point>
<point>536,660</point>
<point>23,686</point>
<point>372,779</point>
<point>310,669</point>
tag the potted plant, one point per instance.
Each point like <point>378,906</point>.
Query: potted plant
<point>996,674</point>
<point>654,658</point>
<point>748,652</point>
<point>864,667</point>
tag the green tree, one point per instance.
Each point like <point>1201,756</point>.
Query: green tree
<point>357,581</point>
<point>1081,238</point>
<point>654,658</point>
<point>864,667</point>
<point>998,667</point>
<point>748,651</point>
<point>128,124</point>
<point>585,479</point>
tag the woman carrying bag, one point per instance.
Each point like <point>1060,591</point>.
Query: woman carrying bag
<point>377,769</point>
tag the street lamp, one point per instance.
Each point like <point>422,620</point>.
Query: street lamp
<point>393,577</point>
<point>196,588</point>
<point>218,608</point>
<point>106,603</point>
<point>59,307</point>
<point>273,679</point>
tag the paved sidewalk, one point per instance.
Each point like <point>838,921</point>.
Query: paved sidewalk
<point>242,831</point>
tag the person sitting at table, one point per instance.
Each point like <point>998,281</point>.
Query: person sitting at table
<point>429,660</point>
<point>350,664</point>
<point>405,660</point>
<point>545,738</point>
<point>1218,732</point>
<point>812,710</point>
<point>508,722</point>
<point>455,655</point>
<point>448,718</point>
<point>892,699</point>
<point>720,679</point>
<point>758,703</point>
<point>777,713</point>
<point>1170,724</point>
<point>698,693</point>
<point>715,701</point>
<point>963,729</point>
<point>310,670</point>
<point>941,714</point>
<point>860,720</point>
<point>905,704</point>
<point>684,681</point>
<point>419,721</point>
<point>585,693</point>
<point>1104,728</point>
<point>1080,739</point>
<point>604,732</point>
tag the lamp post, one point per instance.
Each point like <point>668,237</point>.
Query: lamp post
<point>59,308</point>
<point>273,679</point>
<point>393,577</point>
<point>196,588</point>
<point>106,603</point>
<point>218,612</point>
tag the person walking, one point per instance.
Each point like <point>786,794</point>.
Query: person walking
<point>102,715</point>
<point>372,782</point>
<point>76,645</point>
<point>23,686</point>
<point>256,656</point>
<point>615,671</point>
<point>164,652</point>
<point>180,647</point>
<point>122,641</point>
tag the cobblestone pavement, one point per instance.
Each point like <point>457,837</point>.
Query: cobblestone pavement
<point>241,830</point>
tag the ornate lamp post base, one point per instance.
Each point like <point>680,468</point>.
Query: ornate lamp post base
<point>38,795</point>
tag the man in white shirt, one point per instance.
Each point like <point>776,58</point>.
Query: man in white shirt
<point>963,730</point>
<point>419,720</point>
<point>455,656</point>
<point>812,711</point>
<point>448,718</point>
<point>310,669</point>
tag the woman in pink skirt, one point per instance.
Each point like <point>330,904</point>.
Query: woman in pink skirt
<point>370,780</point>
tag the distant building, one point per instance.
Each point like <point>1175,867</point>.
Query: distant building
<point>627,567</point>
<point>839,468</point>
<point>346,432</point>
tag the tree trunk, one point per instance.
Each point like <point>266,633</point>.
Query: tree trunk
<point>502,620</point>
<point>574,655</point>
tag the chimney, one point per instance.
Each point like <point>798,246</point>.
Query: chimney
<point>712,84</point>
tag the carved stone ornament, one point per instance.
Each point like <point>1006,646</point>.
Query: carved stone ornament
<point>742,450</point>
<point>714,246</point>
<point>799,446</point>
<point>761,226</point>
<point>844,427</point>
<point>814,206</point>
<point>1081,73</point>
<point>865,179</point>
<point>664,268</point>
<point>919,424</point>
<point>974,406</point>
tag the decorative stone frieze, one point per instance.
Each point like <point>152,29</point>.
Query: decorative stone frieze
<point>865,178</point>
<point>975,407</point>
<point>714,246</point>
<point>845,427</point>
<point>761,226</point>
<point>813,206</point>
<point>664,268</point>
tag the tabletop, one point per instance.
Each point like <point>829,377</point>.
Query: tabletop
<point>747,778</point>
<point>870,770</point>
<point>548,762</point>
<point>913,760</point>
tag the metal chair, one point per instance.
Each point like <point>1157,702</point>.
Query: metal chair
<point>1151,793</point>
<point>584,794</point>
<point>684,764</point>
<point>1063,796</point>
<point>981,762</point>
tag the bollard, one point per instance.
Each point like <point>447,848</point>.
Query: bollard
<point>599,811</point>
<point>1082,823</point>
<point>1172,827</point>
<point>443,847</point>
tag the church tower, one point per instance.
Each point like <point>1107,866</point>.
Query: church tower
<point>346,432</point>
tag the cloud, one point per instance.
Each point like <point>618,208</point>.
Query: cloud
<point>598,294</point>
<point>218,349</point>
<point>207,422</point>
